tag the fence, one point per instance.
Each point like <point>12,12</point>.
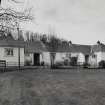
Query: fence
<point>2,63</point>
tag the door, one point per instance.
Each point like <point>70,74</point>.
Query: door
<point>36,59</point>
<point>86,58</point>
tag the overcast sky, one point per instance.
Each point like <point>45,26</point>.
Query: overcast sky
<point>81,21</point>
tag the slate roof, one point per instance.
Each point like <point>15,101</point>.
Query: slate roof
<point>74,48</point>
<point>98,48</point>
<point>10,42</point>
<point>38,46</point>
<point>85,49</point>
<point>59,48</point>
<point>35,47</point>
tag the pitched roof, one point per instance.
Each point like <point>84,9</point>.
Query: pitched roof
<point>85,49</point>
<point>5,43</point>
<point>75,48</point>
<point>58,48</point>
<point>98,47</point>
<point>10,42</point>
<point>35,47</point>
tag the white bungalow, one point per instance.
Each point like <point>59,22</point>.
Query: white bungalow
<point>67,52</point>
<point>82,52</point>
<point>9,51</point>
<point>36,53</point>
<point>97,54</point>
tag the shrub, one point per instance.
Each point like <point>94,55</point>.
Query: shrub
<point>102,64</point>
<point>28,63</point>
<point>42,63</point>
<point>58,64</point>
<point>85,65</point>
<point>66,62</point>
<point>73,61</point>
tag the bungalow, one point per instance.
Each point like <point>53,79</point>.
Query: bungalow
<point>9,50</point>
<point>82,52</point>
<point>97,54</point>
<point>36,53</point>
<point>67,52</point>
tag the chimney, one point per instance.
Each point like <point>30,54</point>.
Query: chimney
<point>70,43</point>
<point>98,42</point>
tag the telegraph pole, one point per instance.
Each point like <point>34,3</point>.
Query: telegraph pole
<point>18,49</point>
<point>18,45</point>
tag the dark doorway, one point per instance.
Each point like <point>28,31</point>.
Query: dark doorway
<point>86,58</point>
<point>36,59</point>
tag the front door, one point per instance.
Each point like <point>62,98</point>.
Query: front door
<point>36,59</point>
<point>86,58</point>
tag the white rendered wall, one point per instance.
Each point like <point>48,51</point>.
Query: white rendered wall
<point>81,58</point>
<point>45,57</point>
<point>29,58</point>
<point>12,60</point>
<point>99,56</point>
<point>60,57</point>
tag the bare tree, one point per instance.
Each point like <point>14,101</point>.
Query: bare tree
<point>10,18</point>
<point>15,1</point>
<point>27,34</point>
<point>21,37</point>
<point>53,46</point>
<point>44,38</point>
<point>32,36</point>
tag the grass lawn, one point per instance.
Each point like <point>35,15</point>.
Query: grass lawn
<point>65,87</point>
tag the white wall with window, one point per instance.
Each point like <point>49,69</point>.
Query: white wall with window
<point>60,57</point>
<point>93,59</point>
<point>81,58</point>
<point>44,57</point>
<point>9,51</point>
<point>10,55</point>
<point>100,56</point>
<point>29,59</point>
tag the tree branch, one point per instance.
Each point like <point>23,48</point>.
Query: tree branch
<point>16,1</point>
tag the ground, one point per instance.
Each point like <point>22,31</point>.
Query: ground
<point>53,87</point>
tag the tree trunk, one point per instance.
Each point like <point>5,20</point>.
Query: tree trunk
<point>52,57</point>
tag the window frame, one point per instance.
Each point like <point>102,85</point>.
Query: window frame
<point>94,56</point>
<point>8,53</point>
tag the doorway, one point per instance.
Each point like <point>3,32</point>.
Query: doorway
<point>36,59</point>
<point>86,58</point>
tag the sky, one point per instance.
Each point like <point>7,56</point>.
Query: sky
<point>81,21</point>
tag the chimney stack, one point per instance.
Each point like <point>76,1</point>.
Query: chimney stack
<point>70,43</point>
<point>98,42</point>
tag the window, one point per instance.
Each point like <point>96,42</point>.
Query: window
<point>9,51</point>
<point>93,56</point>
<point>68,55</point>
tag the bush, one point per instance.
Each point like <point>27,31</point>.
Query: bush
<point>58,64</point>
<point>86,65</point>
<point>28,63</point>
<point>42,63</point>
<point>102,64</point>
<point>66,62</point>
<point>73,61</point>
